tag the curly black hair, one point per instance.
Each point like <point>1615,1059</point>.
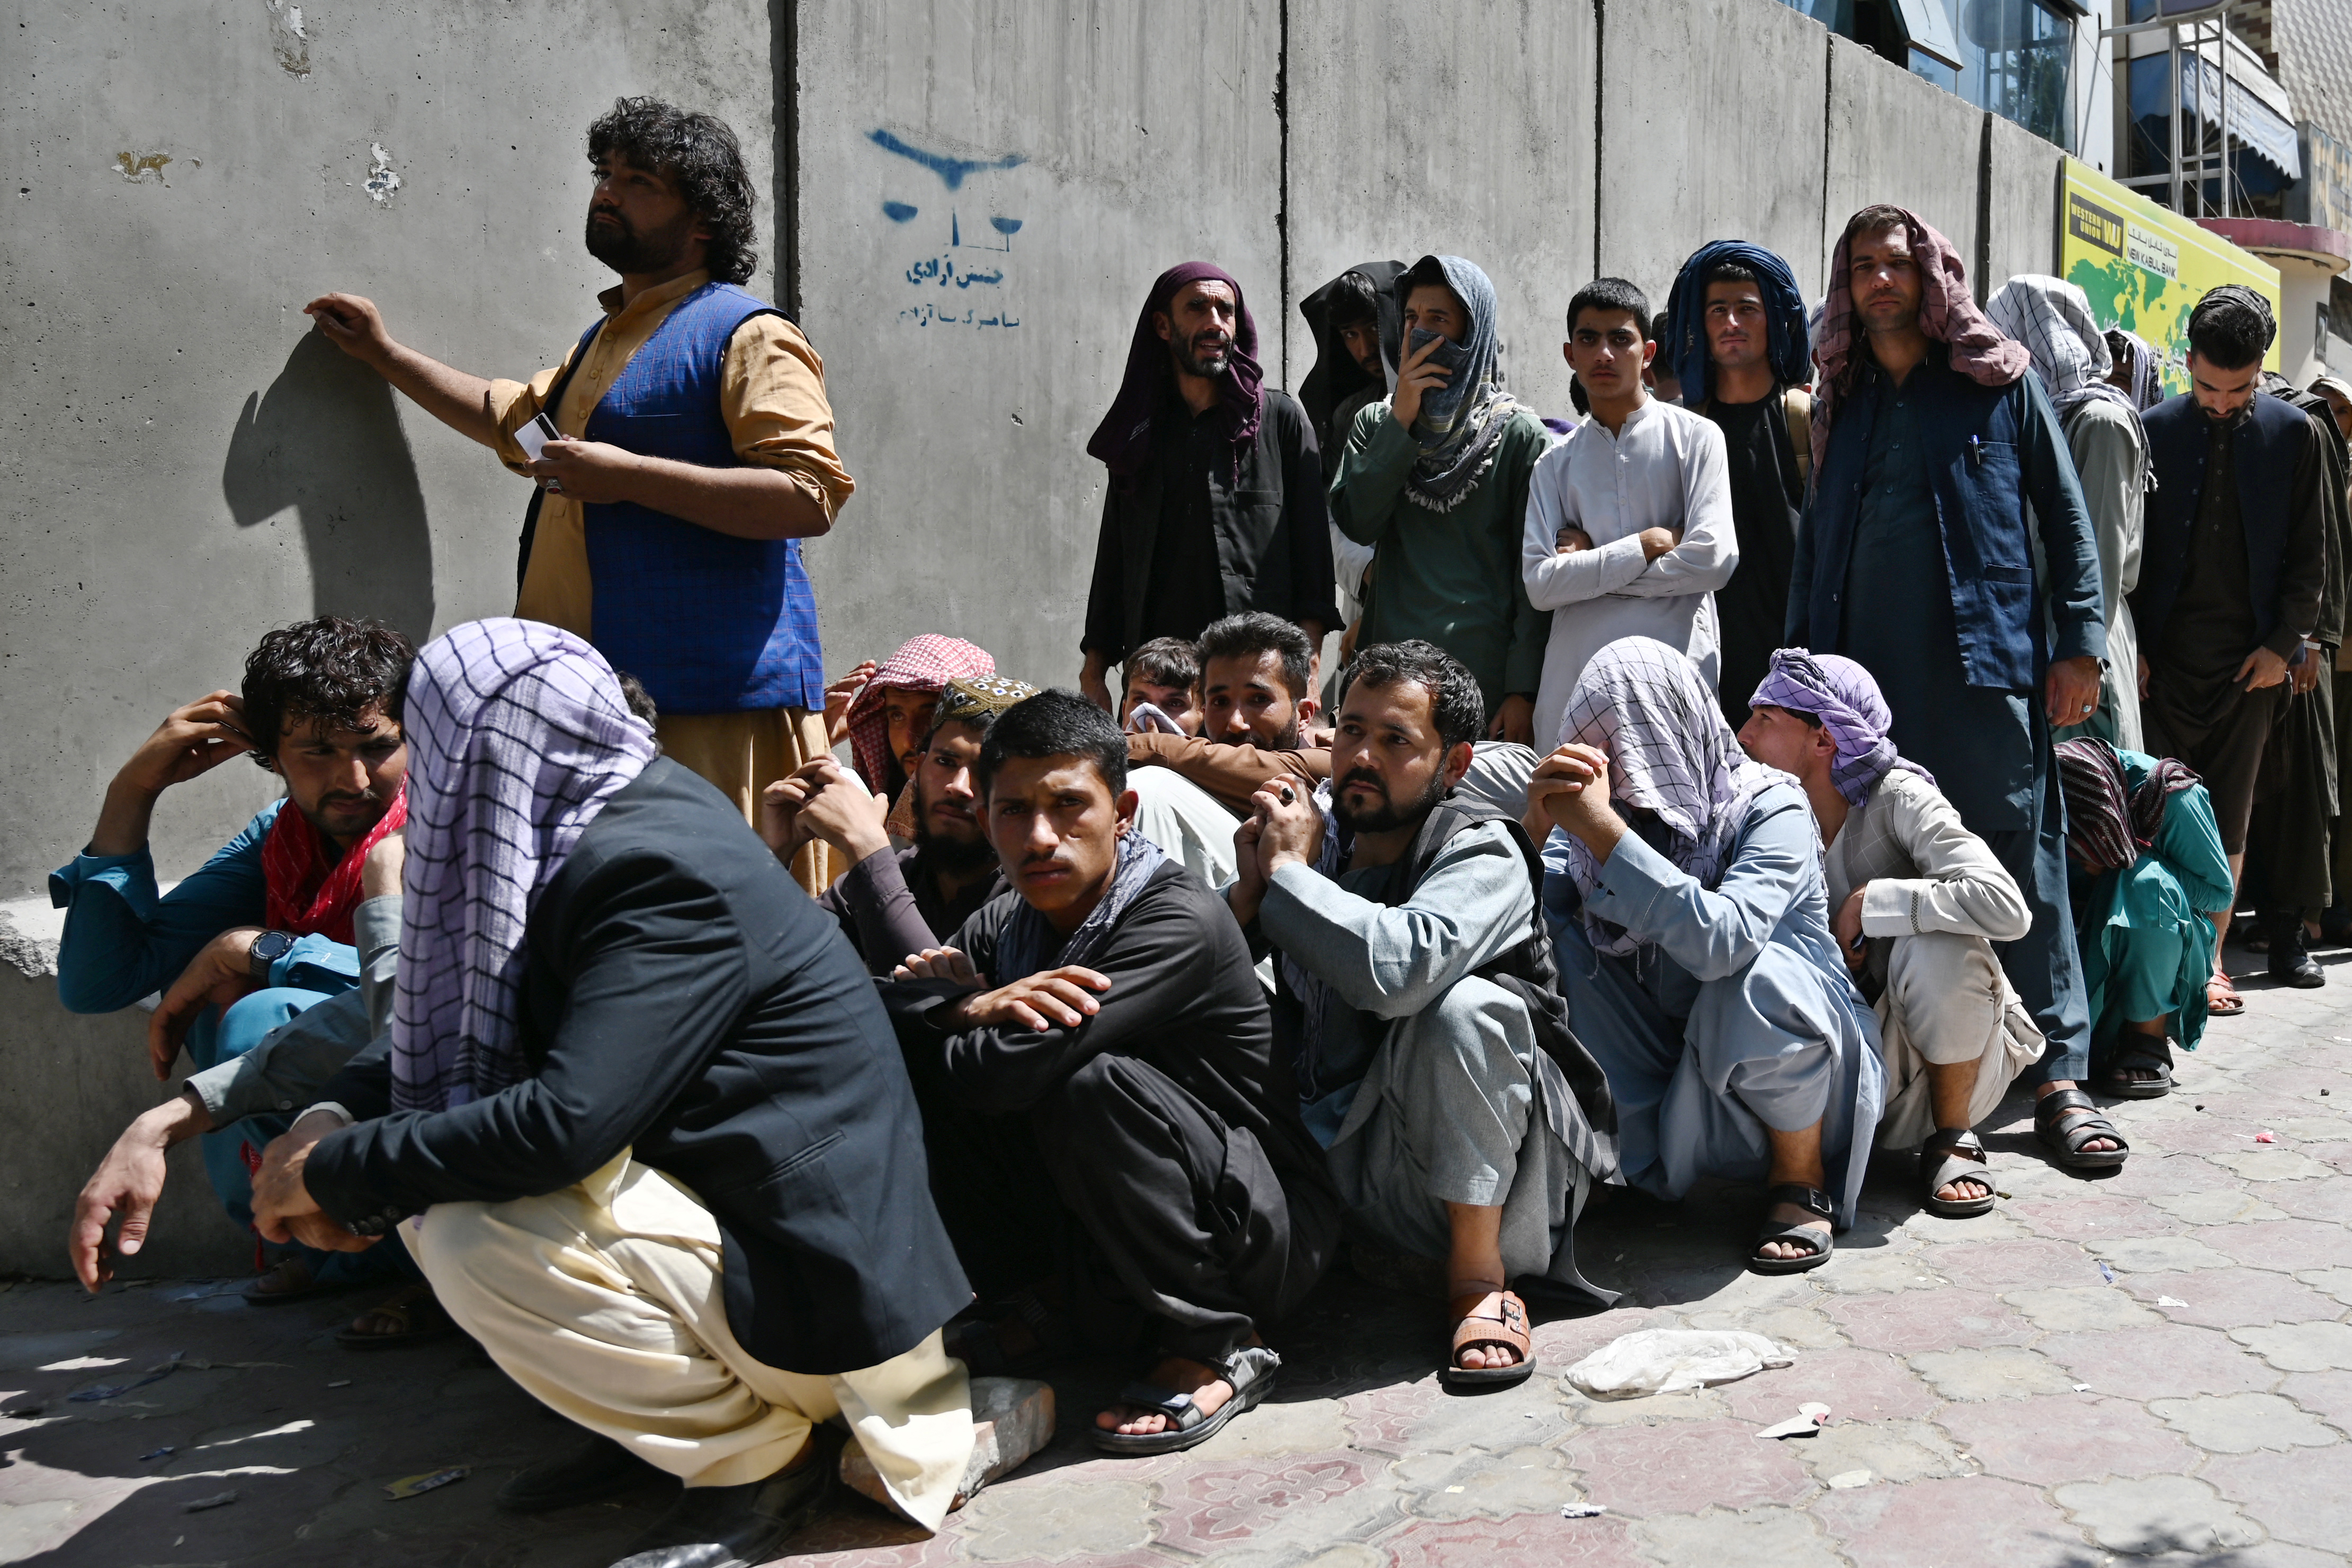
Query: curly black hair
<point>330,670</point>
<point>699,153</point>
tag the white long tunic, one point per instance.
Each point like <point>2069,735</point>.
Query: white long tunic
<point>1665,469</point>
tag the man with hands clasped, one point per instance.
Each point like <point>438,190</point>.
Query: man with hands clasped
<point>1417,1000</point>
<point>263,930</point>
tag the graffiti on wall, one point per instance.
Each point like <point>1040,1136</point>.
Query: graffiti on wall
<point>960,276</point>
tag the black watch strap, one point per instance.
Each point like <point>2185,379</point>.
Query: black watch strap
<point>267,948</point>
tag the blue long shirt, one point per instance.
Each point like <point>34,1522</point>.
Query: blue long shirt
<point>125,939</point>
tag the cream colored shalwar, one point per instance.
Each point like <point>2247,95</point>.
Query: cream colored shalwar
<point>604,1302</point>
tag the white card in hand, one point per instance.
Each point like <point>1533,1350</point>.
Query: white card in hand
<point>535,435</point>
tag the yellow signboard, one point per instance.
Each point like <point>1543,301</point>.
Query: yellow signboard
<point>2144,267</point>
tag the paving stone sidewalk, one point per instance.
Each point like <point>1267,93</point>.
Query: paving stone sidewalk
<point>2152,1366</point>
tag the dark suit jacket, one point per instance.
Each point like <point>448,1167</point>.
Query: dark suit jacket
<point>684,998</point>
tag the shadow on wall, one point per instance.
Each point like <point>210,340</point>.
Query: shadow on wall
<point>324,439</point>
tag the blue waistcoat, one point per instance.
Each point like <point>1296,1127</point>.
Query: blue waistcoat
<point>1999,466</point>
<point>2267,444</point>
<point>710,622</point>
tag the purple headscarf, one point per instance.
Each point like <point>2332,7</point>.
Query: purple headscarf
<point>1123,440</point>
<point>1840,693</point>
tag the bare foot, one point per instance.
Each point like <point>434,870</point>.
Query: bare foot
<point>1205,1383</point>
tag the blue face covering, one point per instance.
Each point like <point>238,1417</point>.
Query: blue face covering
<point>1440,404</point>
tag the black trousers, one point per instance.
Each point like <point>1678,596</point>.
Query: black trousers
<point>1146,1204</point>
<point>2295,808</point>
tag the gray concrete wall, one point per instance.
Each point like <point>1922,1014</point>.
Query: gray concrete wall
<point>1499,171</point>
<point>2020,185</point>
<point>1894,138</point>
<point>1713,130</point>
<point>987,193</point>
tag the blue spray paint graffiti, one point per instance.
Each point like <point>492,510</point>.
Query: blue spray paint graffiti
<point>947,267</point>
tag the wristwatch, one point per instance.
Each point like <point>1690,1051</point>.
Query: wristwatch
<point>267,948</point>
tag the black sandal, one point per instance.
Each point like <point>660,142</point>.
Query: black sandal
<point>1248,1371</point>
<point>1820,1243</point>
<point>2145,1052</point>
<point>1954,1155</point>
<point>2064,1139</point>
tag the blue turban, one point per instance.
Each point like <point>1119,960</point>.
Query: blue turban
<point>1682,336</point>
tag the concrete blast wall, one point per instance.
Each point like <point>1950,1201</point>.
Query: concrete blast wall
<point>973,199</point>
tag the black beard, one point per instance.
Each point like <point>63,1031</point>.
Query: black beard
<point>1286,741</point>
<point>1204,365</point>
<point>1385,817</point>
<point>624,250</point>
<point>954,856</point>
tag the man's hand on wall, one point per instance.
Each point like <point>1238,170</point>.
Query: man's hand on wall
<point>221,972</point>
<point>2071,692</point>
<point>351,324</point>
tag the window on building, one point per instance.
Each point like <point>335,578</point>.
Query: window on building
<point>2015,58</point>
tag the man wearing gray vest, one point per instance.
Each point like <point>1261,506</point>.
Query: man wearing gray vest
<point>683,449</point>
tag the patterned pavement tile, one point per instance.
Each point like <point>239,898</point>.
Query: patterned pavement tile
<point>1756,1538</point>
<point>2003,1372</point>
<point>1929,1319</point>
<point>1684,1467</point>
<point>2244,1423</point>
<point>2299,1496</point>
<point>2287,1245</point>
<point>1870,1272</point>
<point>2168,1362</point>
<point>2152,1173</point>
<point>2081,1307</point>
<point>1206,1509</point>
<point>1073,1522</point>
<point>2327,1395</point>
<point>1689,1405</point>
<point>1904,1450</point>
<point>2312,1200</point>
<point>2222,1206</point>
<point>1535,1541</point>
<point>2337,1283</point>
<point>2300,1347</point>
<point>2277,1163</point>
<point>2012,1265</point>
<point>1382,1417</point>
<point>2052,1437</point>
<point>2176,1513</point>
<point>1299,1427</point>
<point>1479,1485</point>
<point>1974,1520</point>
<point>1799,1328</point>
<point>2155,1254</point>
<point>1856,1385</point>
<point>1518,1415</point>
<point>2230,1297</point>
<point>2093,1218</point>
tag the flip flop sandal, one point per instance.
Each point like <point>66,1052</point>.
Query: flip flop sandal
<point>2064,1138</point>
<point>1248,1371</point>
<point>2143,1051</point>
<point>1489,1320</point>
<point>422,1320</point>
<point>2229,1004</point>
<point>284,1267</point>
<point>1820,1242</point>
<point>1954,1155</point>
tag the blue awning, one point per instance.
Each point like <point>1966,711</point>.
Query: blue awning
<point>2260,127</point>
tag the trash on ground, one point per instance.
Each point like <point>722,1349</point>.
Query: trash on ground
<point>341,1382</point>
<point>116,1390</point>
<point>1662,1361</point>
<point>1581,1510</point>
<point>219,1500</point>
<point>415,1486</point>
<point>2170,1301</point>
<point>2264,1136</point>
<point>165,1452</point>
<point>2106,1273</point>
<point>1807,1422</point>
<point>2081,1388</point>
<point>1846,1479</point>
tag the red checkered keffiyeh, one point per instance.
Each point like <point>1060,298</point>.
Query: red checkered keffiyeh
<point>1947,314</point>
<point>924,663</point>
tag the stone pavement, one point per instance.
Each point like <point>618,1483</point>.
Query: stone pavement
<point>2157,1365</point>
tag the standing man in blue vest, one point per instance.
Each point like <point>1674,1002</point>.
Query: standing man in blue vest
<point>2232,574</point>
<point>695,451</point>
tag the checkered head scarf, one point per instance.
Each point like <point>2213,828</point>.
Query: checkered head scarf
<point>924,663</point>
<point>518,735</point>
<point>1670,754</point>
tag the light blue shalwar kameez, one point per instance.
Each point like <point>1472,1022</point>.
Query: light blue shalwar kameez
<point>1734,1015</point>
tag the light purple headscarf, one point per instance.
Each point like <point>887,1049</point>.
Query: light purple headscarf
<point>1671,754</point>
<point>1841,695</point>
<point>518,735</point>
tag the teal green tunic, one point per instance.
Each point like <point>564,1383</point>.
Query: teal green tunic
<point>2147,948</point>
<point>1448,578</point>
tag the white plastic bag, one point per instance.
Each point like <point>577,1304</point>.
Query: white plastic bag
<point>1660,1361</point>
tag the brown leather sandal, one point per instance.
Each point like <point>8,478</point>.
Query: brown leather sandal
<point>1488,1320</point>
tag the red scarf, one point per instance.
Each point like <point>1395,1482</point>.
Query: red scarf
<point>306,894</point>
